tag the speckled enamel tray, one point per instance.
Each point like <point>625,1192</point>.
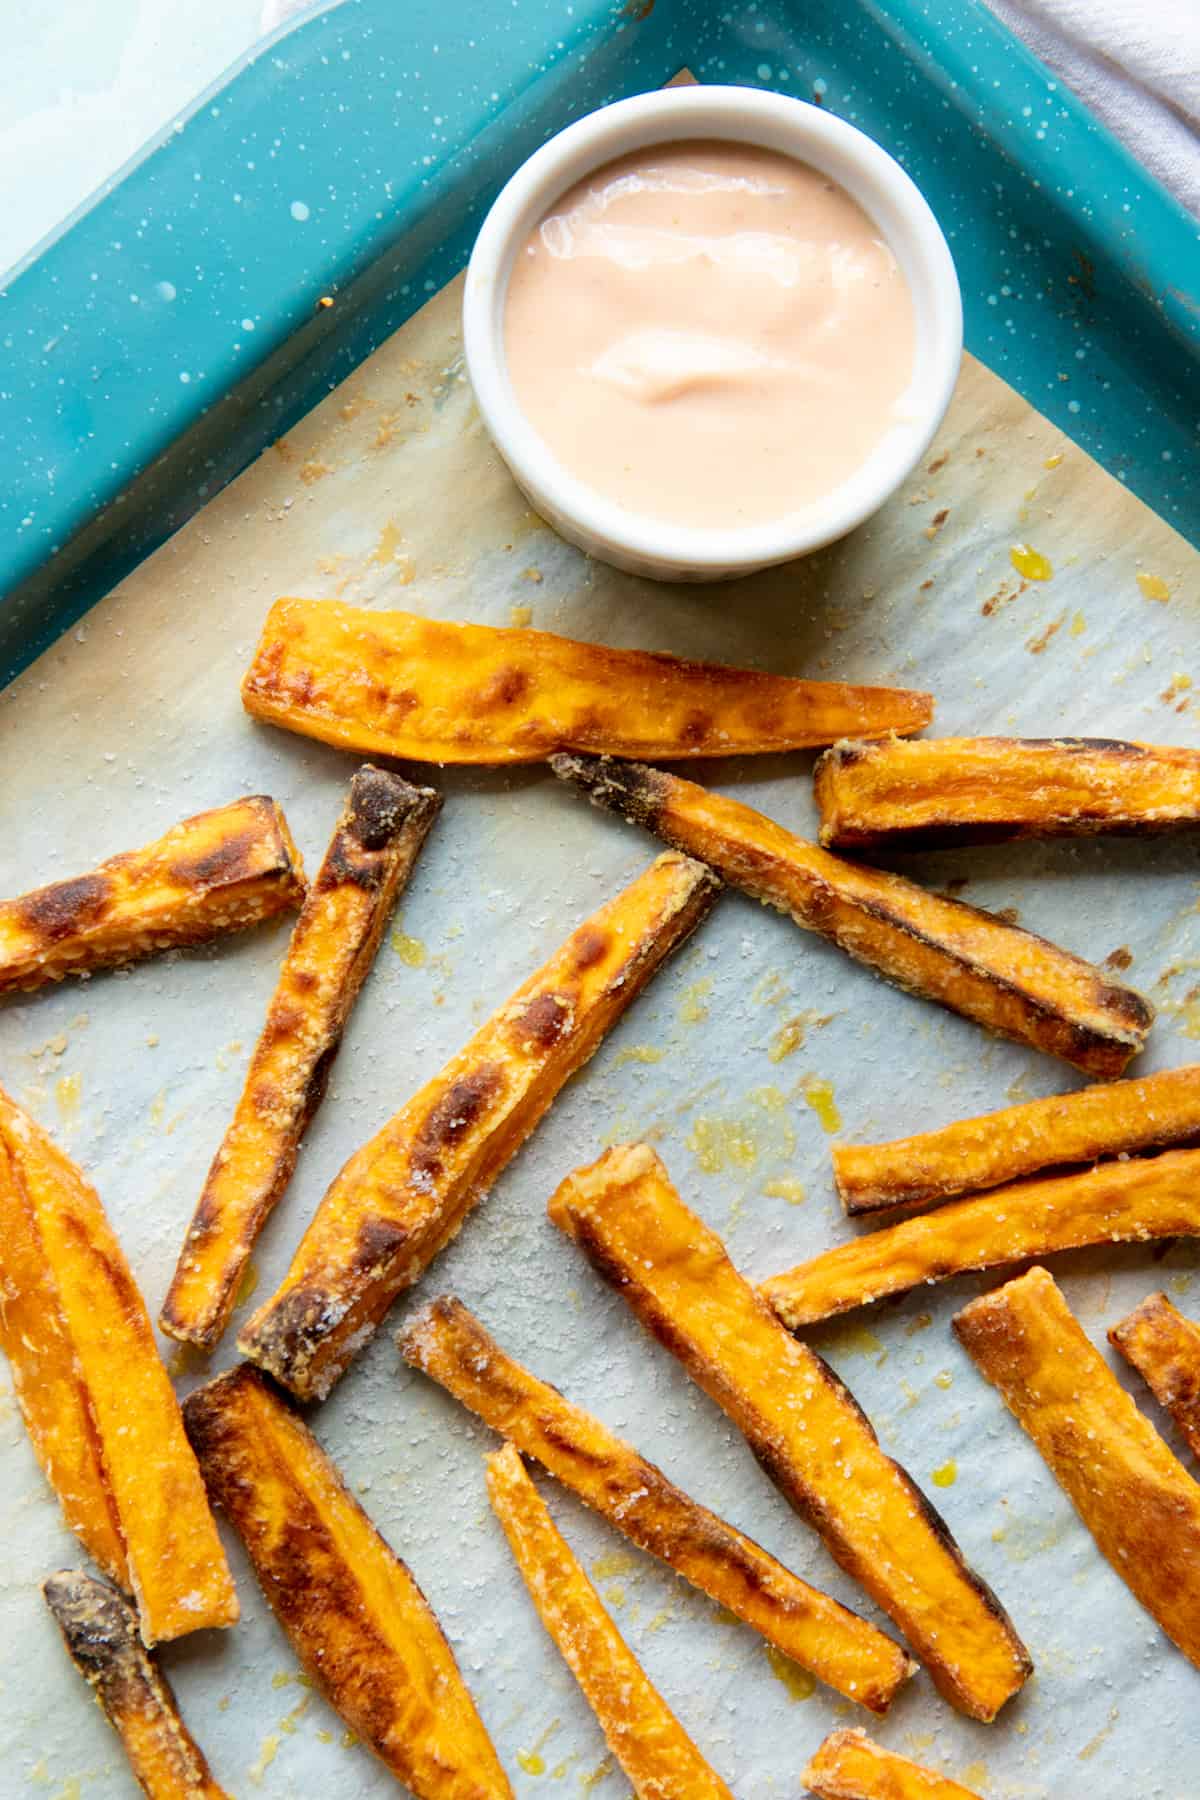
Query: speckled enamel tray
<point>755,1043</point>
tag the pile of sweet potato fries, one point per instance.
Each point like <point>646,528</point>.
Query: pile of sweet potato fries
<point>135,1473</point>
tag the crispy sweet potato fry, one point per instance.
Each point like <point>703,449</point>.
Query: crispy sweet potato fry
<point>356,1618</point>
<point>77,1333</point>
<point>987,790</point>
<point>50,1386</point>
<point>1114,1203</point>
<point>406,1192</point>
<point>394,684</point>
<point>1150,1112</point>
<point>100,1631</point>
<point>634,1495</point>
<point>642,1732</point>
<point>1007,979</point>
<point>848,1766</point>
<point>1136,1500</point>
<point>801,1422</point>
<point>1164,1348</point>
<point>375,844</point>
<point>218,872</point>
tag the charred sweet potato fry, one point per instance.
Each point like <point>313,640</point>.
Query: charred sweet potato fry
<point>356,1618</point>
<point>100,1631</point>
<point>406,1192</point>
<point>802,1424</point>
<point>1164,1348</point>
<point>848,1766</point>
<point>1114,1203</point>
<point>374,847</point>
<point>394,684</point>
<point>656,1753</point>
<point>100,1408</point>
<point>1006,979</point>
<point>1136,1500</point>
<point>1120,1118</point>
<point>219,872</point>
<point>987,790</point>
<point>608,1474</point>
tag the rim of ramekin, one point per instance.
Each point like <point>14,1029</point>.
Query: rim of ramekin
<point>876,180</point>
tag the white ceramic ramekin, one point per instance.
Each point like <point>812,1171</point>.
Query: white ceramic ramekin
<point>649,546</point>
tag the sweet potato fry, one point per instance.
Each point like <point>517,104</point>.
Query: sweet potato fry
<point>219,872</point>
<point>1114,1203</point>
<point>1006,979</point>
<point>636,1497</point>
<point>356,1618</point>
<point>394,684</point>
<point>1164,1348</point>
<point>406,1193</point>
<point>375,844</point>
<point>802,1424</point>
<point>902,796</point>
<point>1121,1118</point>
<point>1138,1503</point>
<point>98,1403</point>
<point>656,1753</point>
<point>848,1766</point>
<point>100,1631</point>
<point>50,1387</point>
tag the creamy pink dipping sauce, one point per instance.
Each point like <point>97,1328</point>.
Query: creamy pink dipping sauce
<point>710,334</point>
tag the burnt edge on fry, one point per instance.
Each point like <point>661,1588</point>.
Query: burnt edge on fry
<point>100,1630</point>
<point>380,802</point>
<point>632,789</point>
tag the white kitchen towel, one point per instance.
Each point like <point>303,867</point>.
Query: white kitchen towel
<point>1136,64</point>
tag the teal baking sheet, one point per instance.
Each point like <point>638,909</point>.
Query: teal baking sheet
<point>305,179</point>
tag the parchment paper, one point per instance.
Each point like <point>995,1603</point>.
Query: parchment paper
<point>391,495</point>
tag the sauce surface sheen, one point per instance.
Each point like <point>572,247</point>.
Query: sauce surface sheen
<point>709,333</point>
